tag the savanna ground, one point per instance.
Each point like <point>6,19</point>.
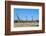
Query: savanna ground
<point>26,24</point>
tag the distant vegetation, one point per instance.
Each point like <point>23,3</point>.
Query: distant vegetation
<point>25,21</point>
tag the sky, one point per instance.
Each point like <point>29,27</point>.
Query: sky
<point>26,14</point>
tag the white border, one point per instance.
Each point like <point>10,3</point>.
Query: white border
<point>26,28</point>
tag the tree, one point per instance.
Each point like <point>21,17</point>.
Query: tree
<point>18,17</point>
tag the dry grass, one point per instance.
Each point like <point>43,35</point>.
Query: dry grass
<point>26,24</point>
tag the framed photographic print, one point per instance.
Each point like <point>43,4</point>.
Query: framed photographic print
<point>24,17</point>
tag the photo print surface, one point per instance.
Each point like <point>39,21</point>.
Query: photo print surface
<point>26,17</point>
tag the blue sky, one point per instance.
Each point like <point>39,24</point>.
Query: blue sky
<point>24,14</point>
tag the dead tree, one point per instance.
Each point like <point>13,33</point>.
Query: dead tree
<point>18,17</point>
<point>32,17</point>
<point>26,18</point>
